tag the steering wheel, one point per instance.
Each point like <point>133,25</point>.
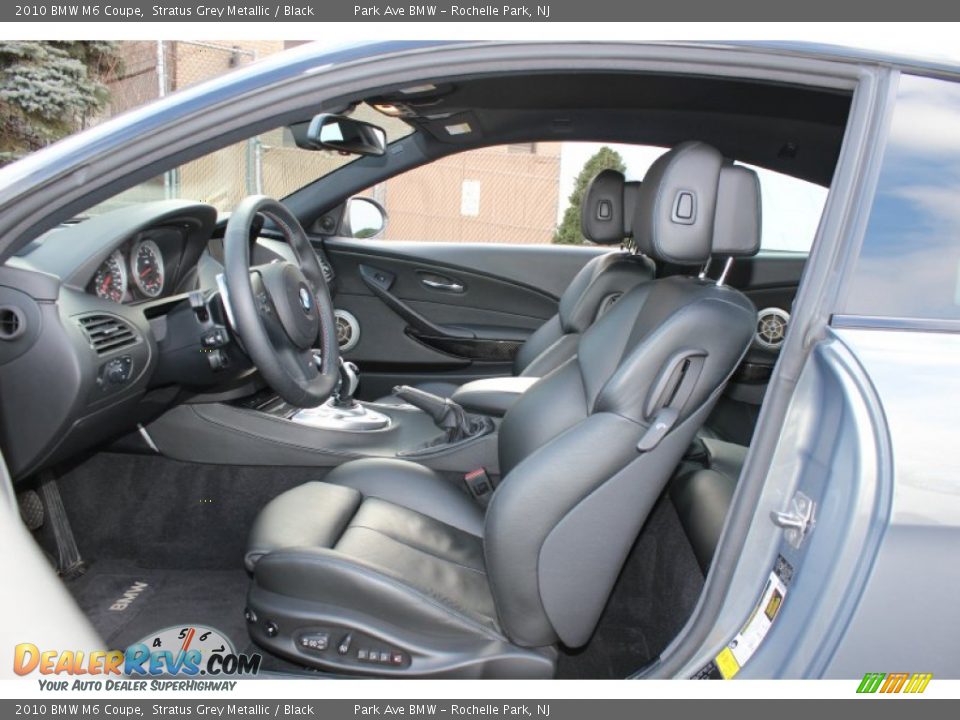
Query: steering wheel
<point>280,308</point>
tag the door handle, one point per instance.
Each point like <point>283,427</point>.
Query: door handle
<point>441,285</point>
<point>379,281</point>
<point>440,282</point>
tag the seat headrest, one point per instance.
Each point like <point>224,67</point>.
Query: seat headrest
<point>693,204</point>
<point>737,225</point>
<point>606,212</point>
<point>631,194</point>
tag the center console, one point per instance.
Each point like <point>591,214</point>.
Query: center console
<point>262,429</point>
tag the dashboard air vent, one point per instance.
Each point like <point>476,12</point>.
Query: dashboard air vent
<point>107,333</point>
<point>12,322</point>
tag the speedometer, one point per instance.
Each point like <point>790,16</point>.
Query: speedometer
<point>147,263</point>
<point>110,282</point>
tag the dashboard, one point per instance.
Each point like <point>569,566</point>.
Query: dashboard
<point>118,318</point>
<point>112,314</point>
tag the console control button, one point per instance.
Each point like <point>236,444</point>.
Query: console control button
<point>215,338</point>
<point>115,371</point>
<point>344,647</point>
<point>315,641</point>
<point>218,359</point>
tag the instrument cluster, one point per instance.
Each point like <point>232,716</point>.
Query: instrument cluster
<point>136,271</point>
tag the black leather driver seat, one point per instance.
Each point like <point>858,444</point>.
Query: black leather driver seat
<point>606,218</point>
<point>388,568</point>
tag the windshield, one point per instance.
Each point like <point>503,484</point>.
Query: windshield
<point>267,164</point>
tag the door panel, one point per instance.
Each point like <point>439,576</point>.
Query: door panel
<point>446,312</point>
<point>770,280</point>
<point>547,268</point>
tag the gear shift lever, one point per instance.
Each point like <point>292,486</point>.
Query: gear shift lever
<point>342,412</point>
<point>347,387</point>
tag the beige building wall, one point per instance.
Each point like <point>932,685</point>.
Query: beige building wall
<point>505,194</point>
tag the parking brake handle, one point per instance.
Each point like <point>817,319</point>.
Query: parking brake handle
<point>446,414</point>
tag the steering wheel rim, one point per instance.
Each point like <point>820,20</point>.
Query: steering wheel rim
<point>280,309</point>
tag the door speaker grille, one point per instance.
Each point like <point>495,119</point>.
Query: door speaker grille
<point>348,330</point>
<point>771,328</point>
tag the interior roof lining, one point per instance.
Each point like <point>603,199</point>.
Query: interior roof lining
<point>788,128</point>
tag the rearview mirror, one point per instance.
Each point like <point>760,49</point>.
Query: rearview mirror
<point>344,134</point>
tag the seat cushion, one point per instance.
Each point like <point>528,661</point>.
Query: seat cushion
<point>316,514</point>
<point>309,515</point>
<point>438,560</point>
<point>348,547</point>
<point>412,486</point>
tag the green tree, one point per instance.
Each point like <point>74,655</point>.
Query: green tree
<point>568,232</point>
<point>48,90</point>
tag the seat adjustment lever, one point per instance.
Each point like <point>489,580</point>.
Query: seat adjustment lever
<point>661,424</point>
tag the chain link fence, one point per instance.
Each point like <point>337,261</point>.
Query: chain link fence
<point>269,163</point>
<point>152,69</point>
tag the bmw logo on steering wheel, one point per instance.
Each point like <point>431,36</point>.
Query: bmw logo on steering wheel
<point>306,302</point>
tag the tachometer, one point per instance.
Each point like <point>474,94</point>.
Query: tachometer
<point>147,264</point>
<point>110,282</point>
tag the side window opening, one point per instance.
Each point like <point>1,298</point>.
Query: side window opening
<point>528,193</point>
<point>791,211</point>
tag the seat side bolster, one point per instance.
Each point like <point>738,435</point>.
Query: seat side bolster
<point>330,580</point>
<point>314,514</point>
<point>540,342</point>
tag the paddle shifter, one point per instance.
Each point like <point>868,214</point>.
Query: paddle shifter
<point>445,413</point>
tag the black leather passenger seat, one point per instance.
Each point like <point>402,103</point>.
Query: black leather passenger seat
<point>702,490</point>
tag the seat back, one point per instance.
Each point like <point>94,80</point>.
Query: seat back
<point>576,489</point>
<point>604,220</point>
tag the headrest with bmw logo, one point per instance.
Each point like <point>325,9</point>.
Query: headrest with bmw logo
<point>606,214</point>
<point>693,204</point>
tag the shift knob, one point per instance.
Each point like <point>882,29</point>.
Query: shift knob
<point>349,380</point>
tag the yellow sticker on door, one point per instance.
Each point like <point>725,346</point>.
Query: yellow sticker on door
<point>745,643</point>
